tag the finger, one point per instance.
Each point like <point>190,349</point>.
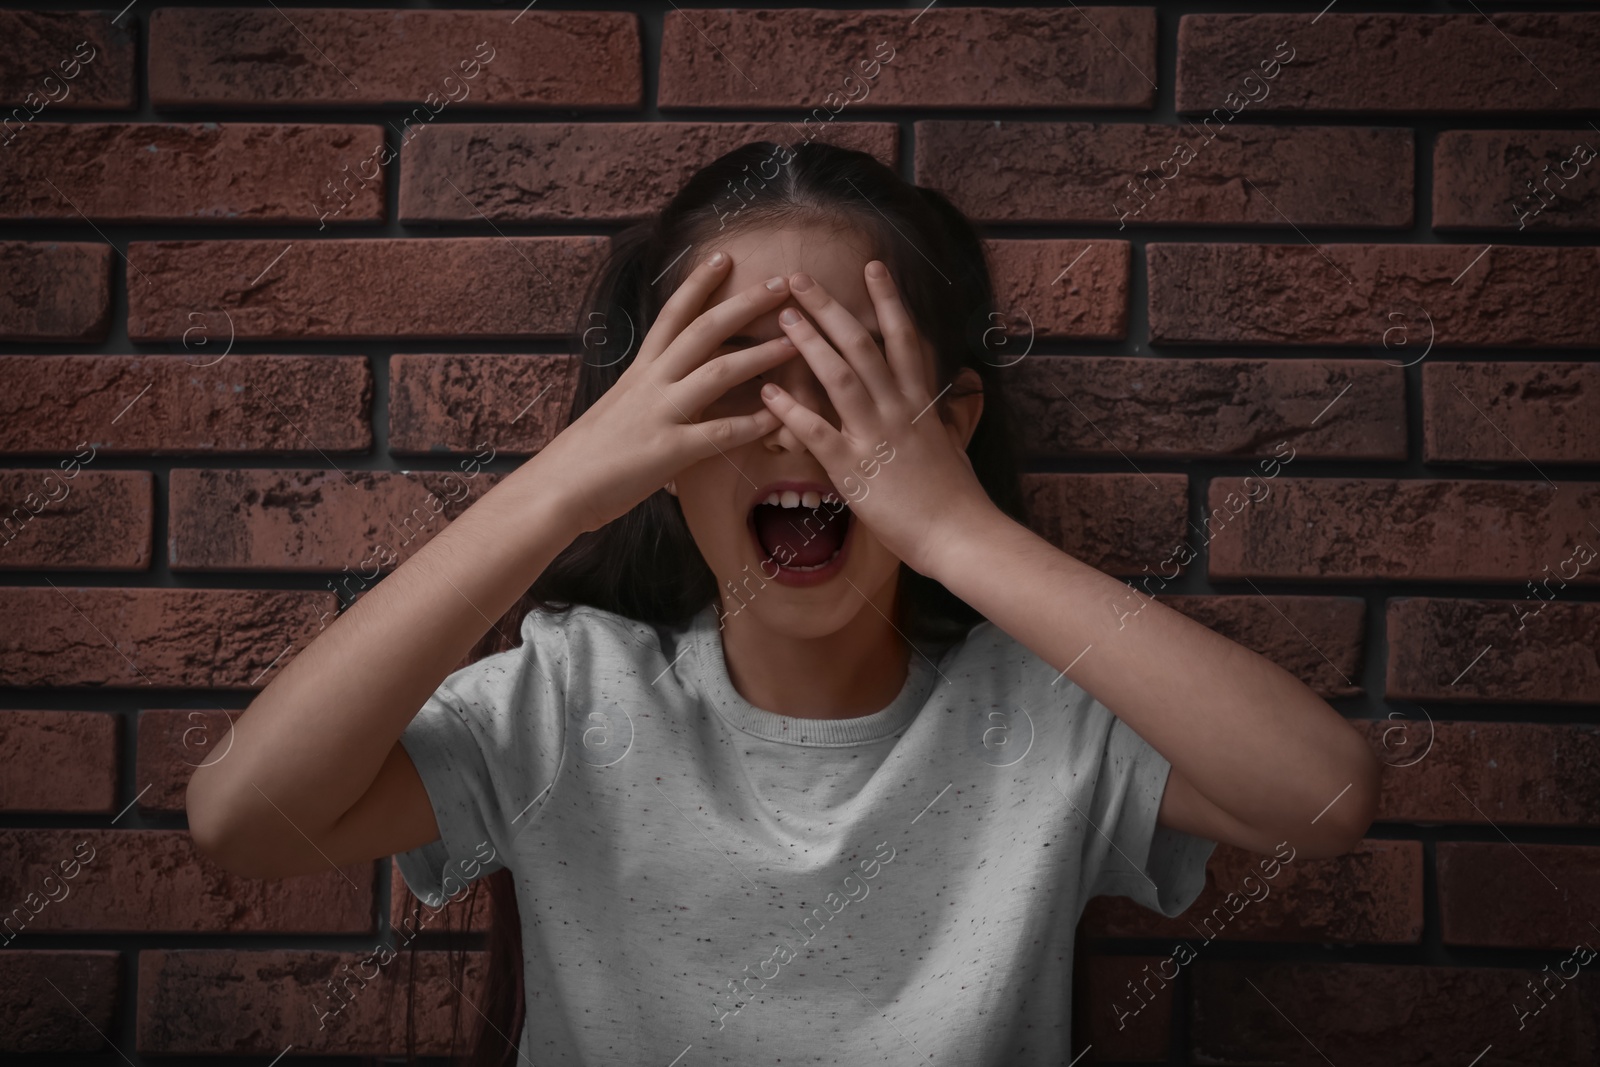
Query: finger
<point>845,388</point>
<point>848,337</point>
<point>900,338</point>
<point>716,436</point>
<point>696,341</point>
<point>684,304</point>
<point>715,377</point>
<point>812,430</point>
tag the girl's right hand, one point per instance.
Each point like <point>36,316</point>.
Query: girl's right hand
<point>642,431</point>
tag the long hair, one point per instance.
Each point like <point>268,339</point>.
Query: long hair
<point>645,565</point>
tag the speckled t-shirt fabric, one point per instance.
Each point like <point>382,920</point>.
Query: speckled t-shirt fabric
<point>701,881</point>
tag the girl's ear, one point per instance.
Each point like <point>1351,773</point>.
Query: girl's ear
<point>965,407</point>
<point>672,487</point>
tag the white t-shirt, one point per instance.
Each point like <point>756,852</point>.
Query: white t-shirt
<point>701,881</point>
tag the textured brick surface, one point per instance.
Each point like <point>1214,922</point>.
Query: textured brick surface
<point>365,521</point>
<point>457,403</point>
<point>1534,896</point>
<point>961,57</point>
<point>1521,180</point>
<point>1115,522</point>
<point>37,1019</point>
<point>1316,639</point>
<point>1124,173</point>
<point>1344,294</point>
<point>74,519</point>
<point>1487,772</point>
<point>172,743</point>
<point>566,171</point>
<point>1121,1026</point>
<point>1456,530</point>
<point>201,401</point>
<point>202,172</point>
<point>272,290</point>
<point>1539,412</point>
<point>256,57</point>
<point>54,291</point>
<point>150,880</point>
<point>88,56</point>
<point>1076,289</point>
<point>1110,406</point>
<point>58,761</point>
<point>1534,649</point>
<point>215,638</point>
<point>217,1002</point>
<point>1370,895</point>
<point>1396,1015</point>
<point>1382,63</point>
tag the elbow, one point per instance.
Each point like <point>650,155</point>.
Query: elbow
<point>213,833</point>
<point>1344,825</point>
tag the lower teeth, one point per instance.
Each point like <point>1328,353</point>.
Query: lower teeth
<point>815,567</point>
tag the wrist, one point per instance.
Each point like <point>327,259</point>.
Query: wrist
<point>966,535</point>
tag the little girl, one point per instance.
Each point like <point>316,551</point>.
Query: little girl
<point>810,751</point>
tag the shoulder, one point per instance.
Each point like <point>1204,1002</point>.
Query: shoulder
<point>581,629</point>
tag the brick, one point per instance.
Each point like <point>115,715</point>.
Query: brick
<point>155,880</point>
<point>1334,529</point>
<point>208,638</point>
<point>1543,412</point>
<point>1050,288</point>
<point>224,1001</point>
<point>581,171</point>
<point>471,911</point>
<point>35,1019</point>
<point>172,743</point>
<point>1493,650</point>
<point>1396,63</point>
<point>964,57</point>
<point>1318,639</point>
<point>1507,774</point>
<point>198,402</point>
<point>1371,895</point>
<point>277,520</point>
<point>331,57</point>
<point>59,761</point>
<point>1117,523</point>
<point>1345,294</point>
<point>1398,1015</point>
<point>1499,895</point>
<point>85,520</point>
<point>96,52</point>
<point>158,172</point>
<point>1122,1025</point>
<point>459,403</point>
<point>1090,172</point>
<point>55,291</point>
<point>488,287</point>
<point>1071,406</point>
<point>1516,180</point>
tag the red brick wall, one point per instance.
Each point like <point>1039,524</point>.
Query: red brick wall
<point>221,385</point>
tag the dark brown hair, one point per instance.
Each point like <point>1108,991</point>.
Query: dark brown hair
<point>645,564</point>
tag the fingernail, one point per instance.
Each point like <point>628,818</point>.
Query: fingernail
<point>716,259</point>
<point>789,317</point>
<point>769,391</point>
<point>777,284</point>
<point>802,282</point>
<point>876,269</point>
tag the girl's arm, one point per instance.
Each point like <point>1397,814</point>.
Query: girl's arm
<point>1257,757</point>
<point>314,773</point>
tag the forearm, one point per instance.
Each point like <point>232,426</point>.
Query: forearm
<point>1247,735</point>
<point>313,740</point>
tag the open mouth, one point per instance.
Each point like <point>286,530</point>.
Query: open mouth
<point>802,531</point>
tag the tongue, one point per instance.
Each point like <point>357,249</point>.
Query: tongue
<point>799,537</point>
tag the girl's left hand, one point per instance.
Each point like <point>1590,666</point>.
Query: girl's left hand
<point>903,470</point>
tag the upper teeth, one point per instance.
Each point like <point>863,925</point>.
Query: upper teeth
<point>791,499</point>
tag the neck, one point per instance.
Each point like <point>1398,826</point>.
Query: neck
<point>856,670</point>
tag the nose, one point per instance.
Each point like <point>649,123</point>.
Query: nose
<point>797,380</point>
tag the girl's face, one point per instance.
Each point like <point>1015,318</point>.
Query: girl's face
<point>778,535</point>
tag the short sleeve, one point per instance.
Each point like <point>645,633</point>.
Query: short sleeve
<point>1127,854</point>
<point>487,745</point>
